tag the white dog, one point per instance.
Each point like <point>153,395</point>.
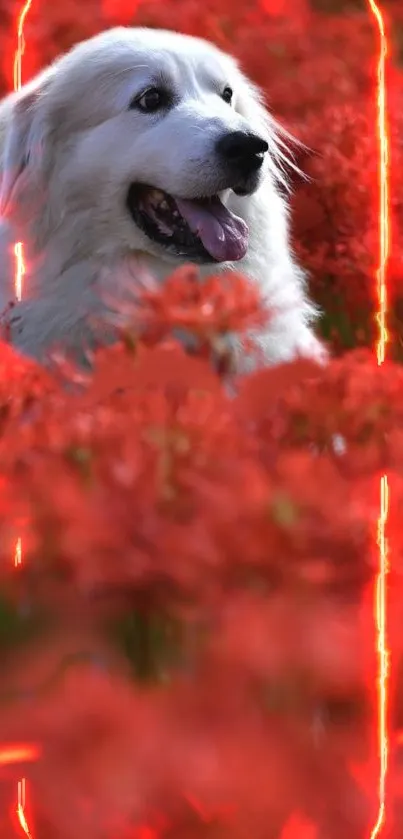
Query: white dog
<point>140,150</point>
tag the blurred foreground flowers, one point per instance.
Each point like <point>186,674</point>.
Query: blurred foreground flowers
<point>190,638</point>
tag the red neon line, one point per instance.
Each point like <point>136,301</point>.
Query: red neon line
<point>383,173</point>
<point>18,753</point>
<point>383,653</point>
<point>21,804</point>
<point>18,248</point>
<point>19,269</point>
<point>18,553</point>
<point>383,656</point>
<point>20,45</point>
<point>18,284</point>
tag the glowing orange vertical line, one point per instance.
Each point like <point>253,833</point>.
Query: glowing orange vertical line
<point>18,283</point>
<point>20,45</point>
<point>18,553</point>
<point>18,249</point>
<point>21,808</point>
<point>381,277</point>
<point>19,269</point>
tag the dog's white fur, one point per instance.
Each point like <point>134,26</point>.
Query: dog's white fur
<point>69,148</point>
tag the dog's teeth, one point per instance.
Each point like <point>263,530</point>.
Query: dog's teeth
<point>163,205</point>
<point>155,196</point>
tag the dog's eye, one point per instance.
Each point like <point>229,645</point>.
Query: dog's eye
<point>227,95</point>
<point>150,101</point>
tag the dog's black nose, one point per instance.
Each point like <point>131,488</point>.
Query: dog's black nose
<point>242,151</point>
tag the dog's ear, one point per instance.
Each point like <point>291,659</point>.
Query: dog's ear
<point>22,153</point>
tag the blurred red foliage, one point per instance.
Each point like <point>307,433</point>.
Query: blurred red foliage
<point>190,635</point>
<point>226,536</point>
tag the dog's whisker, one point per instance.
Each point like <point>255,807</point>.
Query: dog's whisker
<point>284,158</point>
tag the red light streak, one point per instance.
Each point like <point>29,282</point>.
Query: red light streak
<point>21,804</point>
<point>20,45</point>
<point>383,172</point>
<point>18,286</point>
<point>19,269</point>
<point>18,753</point>
<point>383,652</point>
<point>383,655</point>
<point>18,553</point>
<point>18,249</point>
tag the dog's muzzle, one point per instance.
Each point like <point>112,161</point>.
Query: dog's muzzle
<point>242,152</point>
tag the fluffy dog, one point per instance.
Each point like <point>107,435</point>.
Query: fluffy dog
<point>135,152</point>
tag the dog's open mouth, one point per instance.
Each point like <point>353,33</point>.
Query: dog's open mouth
<point>201,230</point>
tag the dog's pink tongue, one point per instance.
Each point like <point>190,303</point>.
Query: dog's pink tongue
<point>224,235</point>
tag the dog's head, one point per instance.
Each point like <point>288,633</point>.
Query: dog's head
<point>133,142</point>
